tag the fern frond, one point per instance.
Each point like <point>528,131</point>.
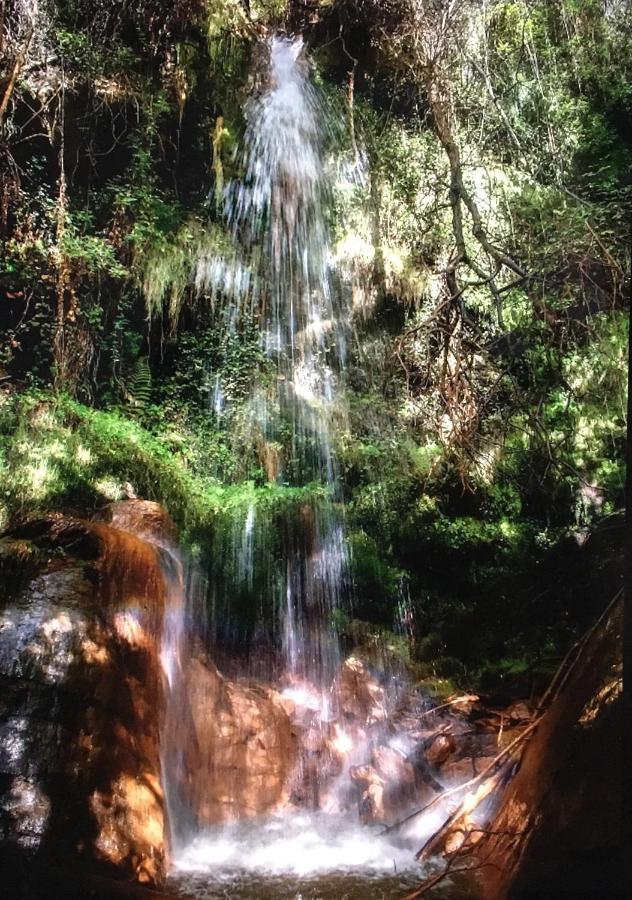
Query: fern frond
<point>139,384</point>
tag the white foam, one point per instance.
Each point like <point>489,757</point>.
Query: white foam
<point>298,844</point>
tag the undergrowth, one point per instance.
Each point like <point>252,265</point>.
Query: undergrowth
<point>56,453</point>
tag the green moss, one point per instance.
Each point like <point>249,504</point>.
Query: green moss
<point>56,453</point>
<point>376,581</point>
<point>168,266</point>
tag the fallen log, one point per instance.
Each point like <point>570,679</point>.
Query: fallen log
<point>473,782</point>
<point>530,821</point>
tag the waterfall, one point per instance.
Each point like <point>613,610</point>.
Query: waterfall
<point>276,214</point>
<point>280,276</point>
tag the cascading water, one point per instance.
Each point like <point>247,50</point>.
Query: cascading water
<point>281,276</point>
<point>276,213</point>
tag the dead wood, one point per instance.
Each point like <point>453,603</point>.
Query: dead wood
<point>495,853</point>
<point>18,64</point>
<point>473,782</point>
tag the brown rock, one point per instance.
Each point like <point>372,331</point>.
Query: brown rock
<point>313,740</point>
<point>519,712</point>
<point>392,766</point>
<point>243,752</point>
<point>458,771</point>
<point>440,749</point>
<point>465,705</point>
<point>144,518</point>
<point>361,697</point>
<point>365,774</point>
<point>372,805</point>
<point>371,801</point>
<point>81,701</point>
<point>399,778</point>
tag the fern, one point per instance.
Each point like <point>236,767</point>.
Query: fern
<point>139,384</point>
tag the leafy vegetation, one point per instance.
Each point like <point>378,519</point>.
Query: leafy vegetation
<point>483,233</point>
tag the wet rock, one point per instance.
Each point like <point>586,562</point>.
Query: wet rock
<point>392,766</point>
<point>519,712</point>
<point>484,743</point>
<point>143,518</point>
<point>487,725</point>
<point>243,753</point>
<point>465,705</point>
<point>314,740</point>
<point>425,780</point>
<point>362,699</point>
<point>398,775</point>
<point>80,700</point>
<point>440,748</point>
<point>25,811</point>
<point>458,771</point>
<point>371,801</point>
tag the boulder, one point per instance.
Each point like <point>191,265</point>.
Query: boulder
<point>398,776</point>
<point>440,749</point>
<point>242,754</point>
<point>518,712</point>
<point>80,699</point>
<point>391,765</point>
<point>371,800</point>
<point>457,771</point>
<point>361,698</point>
<point>144,518</point>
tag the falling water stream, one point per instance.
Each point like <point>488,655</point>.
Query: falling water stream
<point>277,216</point>
<point>281,272</point>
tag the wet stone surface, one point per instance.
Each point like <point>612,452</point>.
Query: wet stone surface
<point>79,761</point>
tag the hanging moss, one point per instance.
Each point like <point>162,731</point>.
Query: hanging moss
<point>168,269</point>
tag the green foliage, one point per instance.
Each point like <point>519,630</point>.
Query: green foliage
<point>376,583</point>
<point>400,207</point>
<point>543,98</point>
<point>138,388</point>
<point>56,453</point>
<point>168,265</point>
<point>89,254</point>
<point>91,59</point>
<point>152,213</point>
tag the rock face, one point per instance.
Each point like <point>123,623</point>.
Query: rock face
<point>92,718</point>
<point>118,736</point>
<point>243,751</point>
<point>80,698</point>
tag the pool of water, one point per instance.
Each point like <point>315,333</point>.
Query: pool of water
<point>334,886</point>
<point>296,857</point>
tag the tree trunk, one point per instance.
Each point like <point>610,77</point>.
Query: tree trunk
<point>559,821</point>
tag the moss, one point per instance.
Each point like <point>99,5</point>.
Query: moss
<point>168,266</point>
<point>438,688</point>
<point>376,581</point>
<point>56,453</point>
